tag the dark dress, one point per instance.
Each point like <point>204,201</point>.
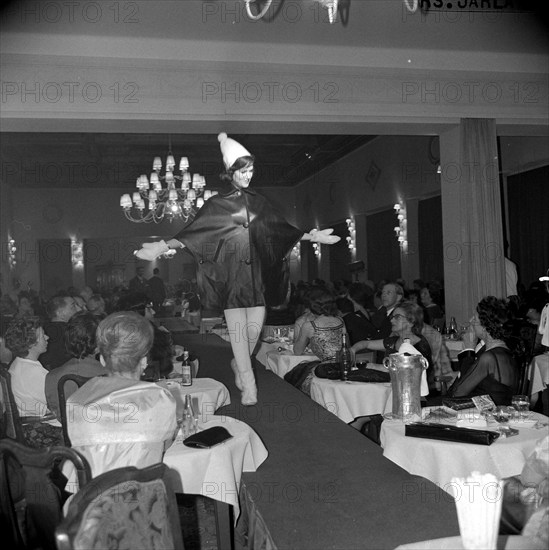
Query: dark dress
<point>240,243</point>
<point>494,373</point>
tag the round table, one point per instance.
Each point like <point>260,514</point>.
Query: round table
<point>349,400</point>
<point>440,461</point>
<point>216,472</point>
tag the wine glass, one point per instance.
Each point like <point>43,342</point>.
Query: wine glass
<point>522,404</point>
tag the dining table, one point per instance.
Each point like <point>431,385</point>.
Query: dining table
<point>207,395</point>
<point>349,400</point>
<point>440,461</point>
<point>216,472</point>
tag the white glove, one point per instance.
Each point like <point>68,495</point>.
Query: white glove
<point>151,251</point>
<point>324,236</point>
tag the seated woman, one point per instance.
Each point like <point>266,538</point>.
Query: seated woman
<point>493,371</point>
<point>432,312</point>
<point>81,344</point>
<point>406,323</point>
<point>26,339</point>
<point>118,420</point>
<point>322,334</point>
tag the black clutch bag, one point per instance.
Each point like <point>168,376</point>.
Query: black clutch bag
<point>450,433</point>
<point>207,438</point>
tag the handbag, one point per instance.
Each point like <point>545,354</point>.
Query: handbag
<point>332,371</point>
<point>207,438</point>
<point>458,403</point>
<point>443,432</point>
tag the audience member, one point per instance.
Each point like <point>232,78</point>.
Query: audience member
<point>138,430</point>
<point>432,312</point>
<point>59,309</point>
<point>81,344</point>
<point>139,284</point>
<point>24,305</point>
<point>357,326</point>
<point>157,291</point>
<point>26,339</point>
<point>406,323</point>
<point>493,371</point>
<point>96,306</point>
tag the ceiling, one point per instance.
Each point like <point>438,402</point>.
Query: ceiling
<point>111,160</point>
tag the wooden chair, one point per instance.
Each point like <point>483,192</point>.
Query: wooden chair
<point>32,492</point>
<point>123,508</point>
<point>61,388</point>
<point>522,345</point>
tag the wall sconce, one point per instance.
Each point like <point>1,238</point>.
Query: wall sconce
<point>296,252</point>
<point>401,230</point>
<point>351,239</point>
<point>316,248</point>
<point>77,252</point>
<point>12,251</point>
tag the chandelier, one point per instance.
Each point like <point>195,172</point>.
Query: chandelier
<point>180,196</point>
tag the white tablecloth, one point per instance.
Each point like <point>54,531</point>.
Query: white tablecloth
<point>281,362</point>
<point>440,461</point>
<point>207,395</point>
<point>216,472</point>
<point>349,400</point>
<point>539,373</point>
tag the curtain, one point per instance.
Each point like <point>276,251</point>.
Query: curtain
<point>482,256</point>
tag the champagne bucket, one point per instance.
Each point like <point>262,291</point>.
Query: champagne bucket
<point>405,372</point>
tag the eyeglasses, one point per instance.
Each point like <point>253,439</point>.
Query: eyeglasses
<point>398,316</point>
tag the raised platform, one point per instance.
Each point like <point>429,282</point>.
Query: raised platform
<point>324,485</point>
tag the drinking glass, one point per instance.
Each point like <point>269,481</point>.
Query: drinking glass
<point>522,404</point>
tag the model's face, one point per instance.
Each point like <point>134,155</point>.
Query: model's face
<point>243,177</point>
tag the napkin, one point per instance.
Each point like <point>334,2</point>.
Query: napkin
<point>478,501</point>
<point>407,348</point>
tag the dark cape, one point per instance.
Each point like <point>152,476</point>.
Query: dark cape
<point>241,244</point>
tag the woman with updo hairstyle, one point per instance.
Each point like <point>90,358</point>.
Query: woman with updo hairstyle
<point>118,420</point>
<point>323,332</point>
<point>493,371</point>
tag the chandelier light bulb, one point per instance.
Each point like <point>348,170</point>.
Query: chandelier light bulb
<point>184,164</point>
<point>157,164</point>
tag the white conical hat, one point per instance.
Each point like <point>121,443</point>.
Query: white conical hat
<point>231,150</point>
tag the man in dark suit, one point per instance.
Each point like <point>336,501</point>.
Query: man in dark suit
<point>391,295</point>
<point>157,291</point>
<point>139,285</point>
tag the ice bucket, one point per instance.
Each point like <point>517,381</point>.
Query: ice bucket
<point>405,372</point>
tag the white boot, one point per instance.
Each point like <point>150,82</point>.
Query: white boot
<point>249,388</point>
<point>237,380</point>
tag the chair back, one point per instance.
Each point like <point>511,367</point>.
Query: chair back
<point>10,423</point>
<point>522,345</point>
<point>62,397</point>
<point>31,496</point>
<point>123,508</point>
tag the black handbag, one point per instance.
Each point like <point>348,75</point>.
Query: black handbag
<point>458,403</point>
<point>444,432</point>
<point>332,371</point>
<point>207,438</point>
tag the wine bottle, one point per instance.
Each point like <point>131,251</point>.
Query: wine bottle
<point>452,328</point>
<point>186,370</point>
<point>345,357</point>
<point>189,419</point>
